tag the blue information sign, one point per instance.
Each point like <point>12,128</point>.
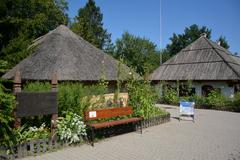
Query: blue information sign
<point>187,109</point>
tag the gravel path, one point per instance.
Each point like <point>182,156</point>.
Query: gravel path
<point>215,135</point>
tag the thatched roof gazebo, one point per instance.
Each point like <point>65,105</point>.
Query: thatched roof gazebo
<point>73,59</point>
<point>203,61</point>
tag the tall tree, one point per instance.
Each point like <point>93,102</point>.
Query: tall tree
<point>190,34</point>
<point>137,52</point>
<point>88,24</point>
<point>223,42</point>
<point>24,20</point>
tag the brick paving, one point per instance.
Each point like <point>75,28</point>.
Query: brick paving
<point>215,135</point>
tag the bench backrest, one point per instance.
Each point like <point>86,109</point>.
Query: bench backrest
<point>107,113</point>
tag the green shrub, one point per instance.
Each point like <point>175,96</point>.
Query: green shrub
<point>216,100</point>
<point>3,67</point>
<point>170,96</point>
<point>199,100</point>
<point>143,99</point>
<point>69,98</point>
<point>7,104</point>
<point>32,133</point>
<point>71,129</point>
<point>235,105</point>
<point>74,97</point>
<point>37,86</point>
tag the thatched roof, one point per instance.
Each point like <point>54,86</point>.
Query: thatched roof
<point>201,60</point>
<point>73,58</point>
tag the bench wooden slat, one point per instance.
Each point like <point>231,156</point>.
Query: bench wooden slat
<point>114,123</point>
<point>108,113</point>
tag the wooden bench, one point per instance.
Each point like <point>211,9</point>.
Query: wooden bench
<point>109,113</point>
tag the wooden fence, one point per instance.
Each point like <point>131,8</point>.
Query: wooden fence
<point>33,147</point>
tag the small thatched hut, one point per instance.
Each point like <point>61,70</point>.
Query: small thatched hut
<point>205,63</point>
<point>73,59</point>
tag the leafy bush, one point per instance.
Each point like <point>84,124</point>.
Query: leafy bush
<point>37,86</point>
<point>143,98</point>
<point>71,129</point>
<point>3,66</point>
<point>235,105</point>
<point>199,100</point>
<point>216,100</point>
<point>32,133</point>
<point>7,104</point>
<point>69,98</point>
<point>75,97</point>
<point>170,96</point>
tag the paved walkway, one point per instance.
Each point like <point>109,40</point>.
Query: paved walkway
<point>215,135</point>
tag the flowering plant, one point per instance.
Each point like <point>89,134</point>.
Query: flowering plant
<point>71,128</point>
<point>33,133</point>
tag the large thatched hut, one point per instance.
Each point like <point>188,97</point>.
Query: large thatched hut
<point>73,59</point>
<point>205,63</point>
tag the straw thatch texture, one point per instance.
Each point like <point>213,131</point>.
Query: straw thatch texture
<point>201,60</point>
<point>73,58</point>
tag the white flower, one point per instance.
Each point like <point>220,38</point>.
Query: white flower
<point>72,130</point>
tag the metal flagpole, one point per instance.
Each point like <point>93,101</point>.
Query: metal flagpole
<point>160,32</point>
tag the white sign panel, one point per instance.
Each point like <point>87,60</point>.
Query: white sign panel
<point>92,114</point>
<point>187,108</point>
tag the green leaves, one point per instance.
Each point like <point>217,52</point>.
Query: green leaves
<point>71,129</point>
<point>223,42</point>
<point>32,133</point>
<point>22,21</point>
<point>170,96</point>
<point>143,99</point>
<point>216,100</point>
<point>7,104</point>
<point>37,86</point>
<point>76,97</point>
<point>191,33</point>
<point>3,66</point>
<point>88,24</point>
<point>180,41</point>
<point>137,52</point>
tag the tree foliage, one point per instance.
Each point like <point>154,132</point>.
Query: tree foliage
<point>223,42</point>
<point>143,98</point>
<point>7,104</point>
<point>180,41</point>
<point>24,20</point>
<point>137,52</point>
<point>88,24</point>
<point>165,55</point>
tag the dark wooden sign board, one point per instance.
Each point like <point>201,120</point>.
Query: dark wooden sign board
<point>36,103</point>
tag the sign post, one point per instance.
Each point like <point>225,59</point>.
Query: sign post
<point>186,110</point>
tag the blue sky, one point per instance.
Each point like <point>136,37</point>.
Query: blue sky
<point>142,18</point>
<point>222,16</point>
<point>139,17</point>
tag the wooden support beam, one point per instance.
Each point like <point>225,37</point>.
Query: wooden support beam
<point>17,89</point>
<point>54,84</point>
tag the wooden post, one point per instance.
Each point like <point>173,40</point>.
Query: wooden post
<point>17,89</point>
<point>54,116</point>
<point>54,82</point>
<point>178,91</point>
